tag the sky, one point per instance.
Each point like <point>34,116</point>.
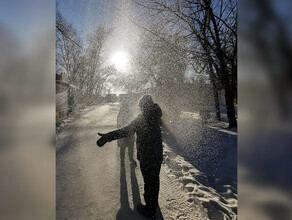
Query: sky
<point>87,14</point>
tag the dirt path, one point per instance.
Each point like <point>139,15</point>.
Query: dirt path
<point>93,183</point>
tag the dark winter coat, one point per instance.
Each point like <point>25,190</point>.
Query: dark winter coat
<point>148,141</point>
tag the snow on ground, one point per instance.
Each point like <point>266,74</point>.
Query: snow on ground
<point>198,186</point>
<point>198,177</point>
<point>203,158</point>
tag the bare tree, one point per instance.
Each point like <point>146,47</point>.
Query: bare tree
<point>68,49</point>
<point>95,55</point>
<point>161,59</point>
<point>84,65</point>
<point>210,27</point>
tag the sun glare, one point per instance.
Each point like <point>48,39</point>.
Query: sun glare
<point>120,60</point>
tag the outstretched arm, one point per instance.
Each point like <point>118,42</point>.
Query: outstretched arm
<point>123,132</point>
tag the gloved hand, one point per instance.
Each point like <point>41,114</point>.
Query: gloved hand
<point>102,141</point>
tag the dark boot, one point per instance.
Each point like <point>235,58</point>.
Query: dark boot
<point>149,213</point>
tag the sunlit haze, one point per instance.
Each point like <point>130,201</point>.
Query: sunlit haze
<point>120,60</point>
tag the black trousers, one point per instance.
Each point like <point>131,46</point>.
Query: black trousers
<point>151,184</point>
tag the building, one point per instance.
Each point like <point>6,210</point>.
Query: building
<point>65,96</point>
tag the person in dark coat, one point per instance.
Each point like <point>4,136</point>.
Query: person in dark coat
<point>149,149</point>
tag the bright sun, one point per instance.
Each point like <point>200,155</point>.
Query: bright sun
<point>120,60</point>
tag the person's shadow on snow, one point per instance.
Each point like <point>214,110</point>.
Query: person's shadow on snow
<point>125,212</point>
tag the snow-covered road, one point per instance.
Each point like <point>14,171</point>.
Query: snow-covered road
<point>93,184</point>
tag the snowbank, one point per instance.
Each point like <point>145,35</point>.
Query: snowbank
<point>203,158</point>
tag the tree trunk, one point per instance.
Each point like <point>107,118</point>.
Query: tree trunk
<point>217,103</point>
<point>225,75</point>
<point>234,78</point>
<point>216,96</point>
<point>230,106</point>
